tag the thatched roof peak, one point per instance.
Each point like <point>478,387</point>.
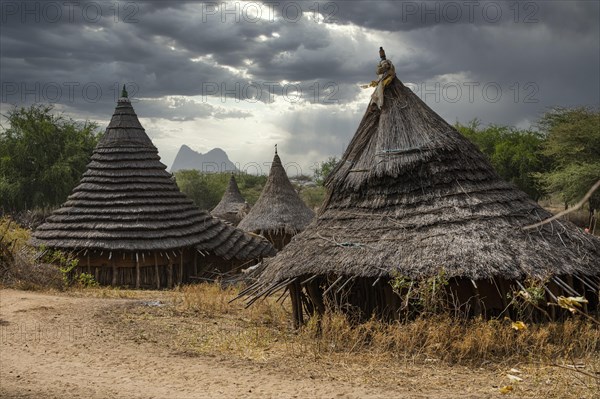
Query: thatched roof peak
<point>411,195</point>
<point>279,207</point>
<point>233,192</point>
<point>231,203</point>
<point>124,93</point>
<point>127,201</point>
<point>125,129</point>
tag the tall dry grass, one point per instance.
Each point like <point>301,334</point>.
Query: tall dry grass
<point>457,341</point>
<point>20,265</point>
<point>440,337</point>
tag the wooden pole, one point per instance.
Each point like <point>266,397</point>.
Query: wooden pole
<point>156,272</point>
<point>388,308</point>
<point>295,318</point>
<point>137,272</point>
<point>180,277</point>
<point>296,304</point>
<point>195,262</point>
<point>170,274</point>
<point>477,297</point>
<point>114,269</point>
<point>89,268</point>
<point>316,297</point>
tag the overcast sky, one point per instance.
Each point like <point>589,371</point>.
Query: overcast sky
<point>244,76</point>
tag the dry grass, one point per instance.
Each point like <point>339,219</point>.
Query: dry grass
<point>19,265</point>
<point>199,321</point>
<point>116,293</point>
<point>474,358</point>
<point>470,342</point>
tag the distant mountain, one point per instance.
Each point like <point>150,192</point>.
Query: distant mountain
<point>216,160</point>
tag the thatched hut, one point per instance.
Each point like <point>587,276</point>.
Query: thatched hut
<point>411,200</point>
<point>279,212</point>
<point>128,223</point>
<point>232,204</point>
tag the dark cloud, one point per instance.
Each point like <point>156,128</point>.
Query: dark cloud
<point>320,129</point>
<point>571,17</point>
<point>169,52</point>
<point>183,109</point>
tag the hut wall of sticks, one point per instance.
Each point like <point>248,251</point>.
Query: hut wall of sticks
<point>279,212</point>
<point>128,223</point>
<point>416,218</point>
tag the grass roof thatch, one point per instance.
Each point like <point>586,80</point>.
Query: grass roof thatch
<point>127,201</point>
<point>412,196</point>
<point>279,209</point>
<point>231,203</point>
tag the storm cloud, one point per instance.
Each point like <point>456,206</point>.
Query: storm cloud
<point>293,70</point>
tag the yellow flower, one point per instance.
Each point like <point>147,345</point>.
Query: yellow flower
<point>519,325</point>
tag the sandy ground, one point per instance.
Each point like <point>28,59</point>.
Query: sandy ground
<point>59,346</point>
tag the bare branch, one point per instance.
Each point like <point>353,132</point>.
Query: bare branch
<point>566,211</point>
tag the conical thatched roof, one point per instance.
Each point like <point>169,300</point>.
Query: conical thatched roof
<point>411,195</point>
<point>127,201</point>
<point>231,203</point>
<point>279,209</point>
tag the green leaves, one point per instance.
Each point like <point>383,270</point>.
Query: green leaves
<point>573,143</point>
<point>515,154</point>
<point>324,169</point>
<point>206,189</point>
<point>562,157</point>
<point>42,157</point>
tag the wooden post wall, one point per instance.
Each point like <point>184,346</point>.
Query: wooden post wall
<point>137,272</point>
<point>180,277</point>
<point>195,261</point>
<point>296,298</point>
<point>114,270</point>
<point>156,271</point>
<point>170,274</point>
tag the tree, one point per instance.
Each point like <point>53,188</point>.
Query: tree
<point>324,169</point>
<point>313,196</point>
<point>206,189</point>
<point>573,143</point>
<point>42,157</point>
<point>515,154</point>
<point>197,188</point>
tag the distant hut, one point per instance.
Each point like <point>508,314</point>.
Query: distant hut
<point>128,223</point>
<point>279,213</point>
<point>413,199</point>
<point>232,204</point>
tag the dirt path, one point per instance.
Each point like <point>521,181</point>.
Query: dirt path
<point>50,348</point>
<point>61,346</point>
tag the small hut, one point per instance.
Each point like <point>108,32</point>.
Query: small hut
<point>232,204</point>
<point>128,223</point>
<point>279,213</point>
<point>412,200</point>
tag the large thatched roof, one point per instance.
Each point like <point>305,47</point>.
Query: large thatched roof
<point>279,209</point>
<point>411,195</point>
<point>231,203</point>
<point>127,201</point>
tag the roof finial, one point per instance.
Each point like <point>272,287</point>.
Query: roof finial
<point>124,92</point>
<point>382,53</point>
<point>275,149</point>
